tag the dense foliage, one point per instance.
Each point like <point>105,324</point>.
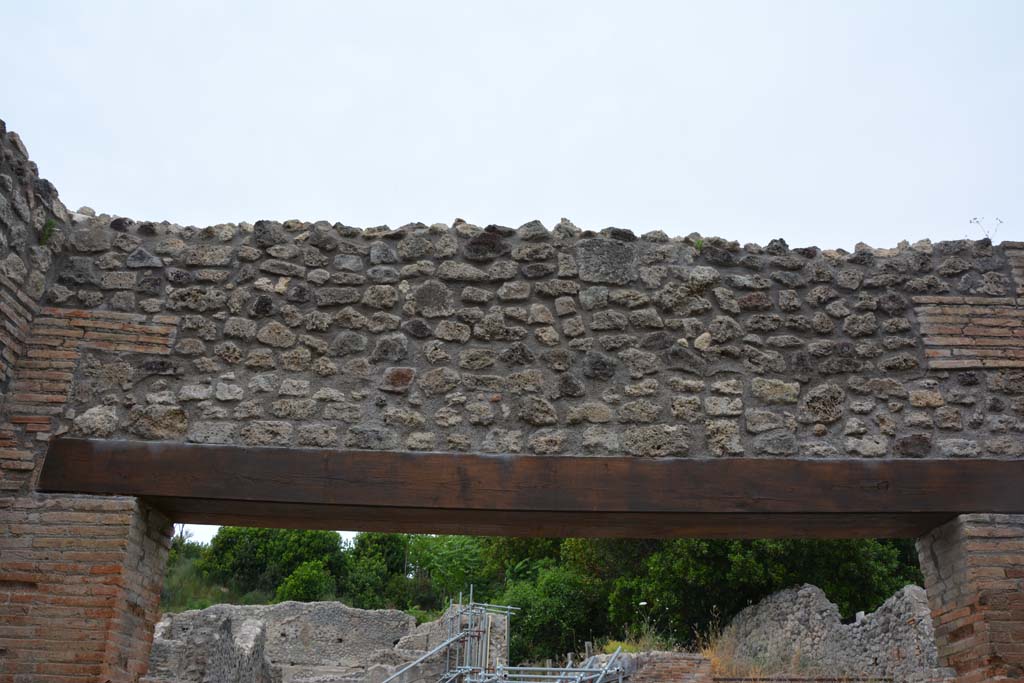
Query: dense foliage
<point>309,582</point>
<point>570,590</point>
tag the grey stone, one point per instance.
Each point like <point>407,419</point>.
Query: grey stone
<point>336,296</point>
<point>383,297</point>
<point>869,446</point>
<point>775,391</point>
<point>348,342</point>
<point>776,442</point>
<point>241,328</point>
<point>457,271</point>
<point>448,330</point>
<point>92,239</point>
<point>266,433</point>
<point>433,299</point>
<point>823,403</point>
<point>537,411</point>
<point>277,335</point>
<point>860,325</point>
<point>390,348</point>
<point>896,642</point>
<point>209,255</point>
<point>723,437</point>
<point>723,406</point>
<point>958,448</point>
<point>158,422</point>
<point>503,441</point>
<point>99,421</point>
<point>657,440</point>
<point>606,261</point>
<point>438,381</point>
<point>212,432</point>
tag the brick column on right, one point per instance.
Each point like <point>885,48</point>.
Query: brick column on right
<point>974,575</point>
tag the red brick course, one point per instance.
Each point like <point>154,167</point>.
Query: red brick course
<point>671,667</point>
<point>963,332</point>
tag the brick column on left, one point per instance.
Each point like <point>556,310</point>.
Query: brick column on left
<point>80,576</point>
<point>80,580</point>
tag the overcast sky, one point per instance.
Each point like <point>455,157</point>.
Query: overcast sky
<point>822,122</point>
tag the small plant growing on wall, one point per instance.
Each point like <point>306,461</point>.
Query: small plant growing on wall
<point>48,227</point>
<point>990,229</point>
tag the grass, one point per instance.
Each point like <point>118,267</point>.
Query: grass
<point>424,615</point>
<point>640,638</point>
<point>185,588</point>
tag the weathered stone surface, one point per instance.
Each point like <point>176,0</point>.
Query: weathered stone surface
<point>895,642</point>
<point>655,440</point>
<point>433,299</point>
<point>293,642</point>
<point>438,381</point>
<point>823,403</point>
<point>775,391</point>
<point>158,422</point>
<point>99,422</point>
<point>277,335</point>
<point>606,261</point>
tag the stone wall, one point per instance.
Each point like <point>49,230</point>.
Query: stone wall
<point>538,341</point>
<point>799,631</point>
<point>527,340</point>
<point>292,642</point>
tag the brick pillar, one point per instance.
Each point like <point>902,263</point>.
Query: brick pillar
<point>80,580</point>
<point>974,574</point>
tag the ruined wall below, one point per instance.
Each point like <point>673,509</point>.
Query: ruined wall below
<point>798,630</point>
<point>291,642</point>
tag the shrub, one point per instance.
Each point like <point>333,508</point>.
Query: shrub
<point>310,582</point>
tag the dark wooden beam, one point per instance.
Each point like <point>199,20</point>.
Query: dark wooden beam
<point>550,524</point>
<point>537,495</point>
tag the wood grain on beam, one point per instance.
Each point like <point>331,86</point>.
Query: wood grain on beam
<point>537,495</point>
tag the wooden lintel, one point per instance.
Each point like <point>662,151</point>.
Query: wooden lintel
<point>537,495</point>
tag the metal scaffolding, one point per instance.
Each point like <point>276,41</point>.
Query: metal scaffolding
<point>476,650</point>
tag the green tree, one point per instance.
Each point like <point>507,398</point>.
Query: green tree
<point>368,580</point>
<point>444,566</point>
<point>561,608</point>
<point>507,557</point>
<point>392,548</point>
<point>259,559</point>
<point>310,582</point>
